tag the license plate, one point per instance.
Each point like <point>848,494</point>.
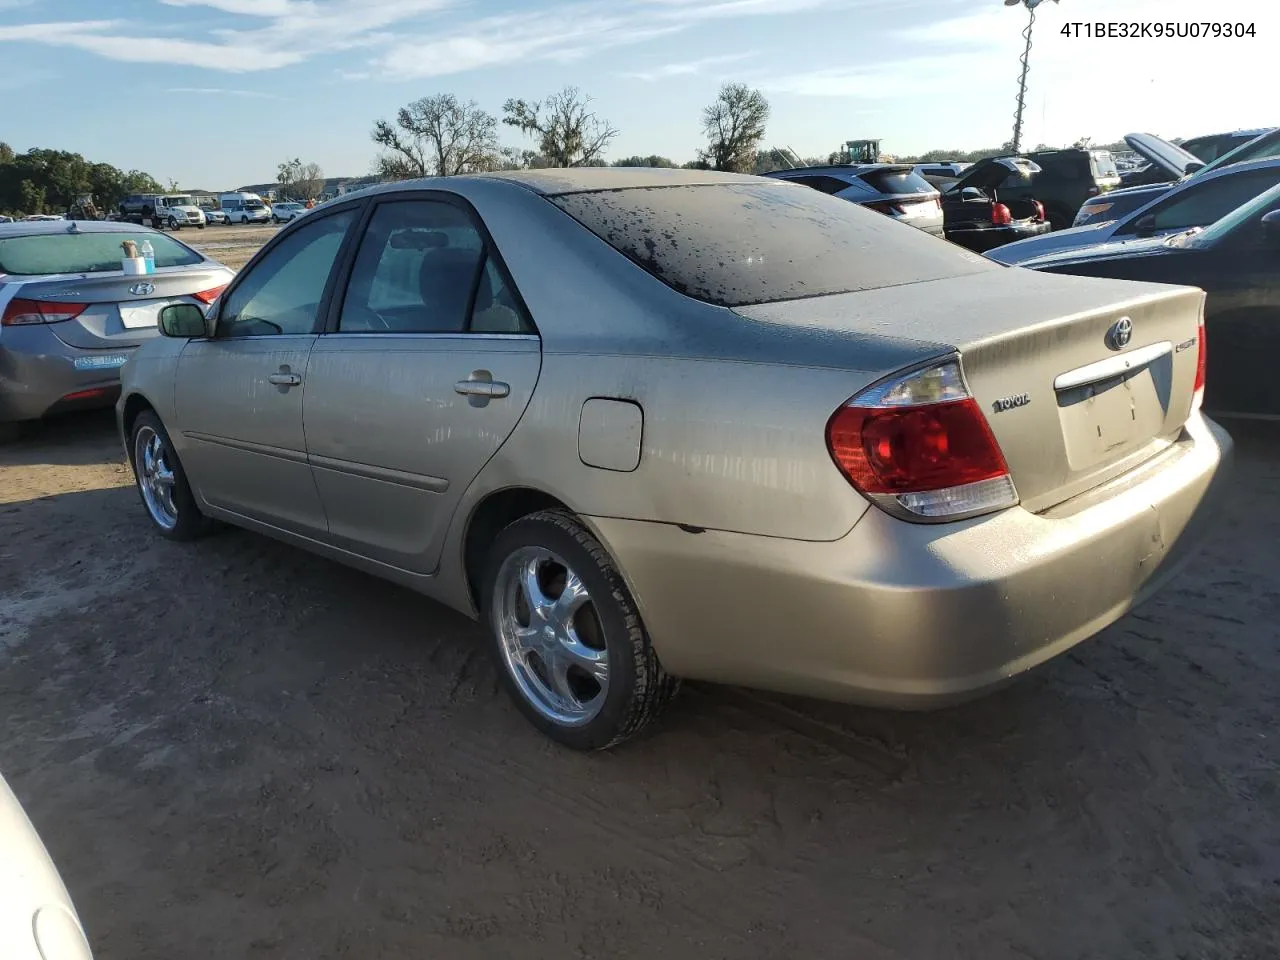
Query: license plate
<point>136,315</point>
<point>912,210</point>
<point>110,362</point>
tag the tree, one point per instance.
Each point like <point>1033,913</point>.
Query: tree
<point>31,199</point>
<point>310,182</point>
<point>6,153</point>
<point>653,160</point>
<point>300,181</point>
<point>438,136</point>
<point>567,133</point>
<point>734,127</point>
<point>287,174</point>
<point>41,180</point>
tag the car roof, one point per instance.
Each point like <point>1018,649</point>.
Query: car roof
<point>555,181</point>
<point>38,228</point>
<point>1255,132</point>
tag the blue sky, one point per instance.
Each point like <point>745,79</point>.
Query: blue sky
<point>216,93</point>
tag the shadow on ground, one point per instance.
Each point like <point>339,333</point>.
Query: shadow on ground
<point>235,748</point>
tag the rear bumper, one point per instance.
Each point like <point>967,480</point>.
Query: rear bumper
<point>982,239</point>
<point>915,616</point>
<point>41,375</point>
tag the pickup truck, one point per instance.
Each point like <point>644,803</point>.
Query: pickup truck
<point>173,211</point>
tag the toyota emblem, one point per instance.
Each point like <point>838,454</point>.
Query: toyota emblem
<point>142,289</point>
<point>1120,334</point>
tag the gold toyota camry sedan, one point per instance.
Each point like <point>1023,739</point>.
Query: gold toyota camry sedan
<point>662,424</point>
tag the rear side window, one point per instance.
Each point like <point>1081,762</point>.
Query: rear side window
<point>85,253</point>
<point>896,181</point>
<point>423,267</point>
<point>746,243</point>
<point>822,184</point>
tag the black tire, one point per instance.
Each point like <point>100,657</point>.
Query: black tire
<point>191,523</point>
<point>200,226</point>
<point>173,225</point>
<point>639,688</point>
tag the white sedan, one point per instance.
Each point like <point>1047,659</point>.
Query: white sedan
<point>37,918</point>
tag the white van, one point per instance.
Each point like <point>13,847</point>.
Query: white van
<point>244,208</point>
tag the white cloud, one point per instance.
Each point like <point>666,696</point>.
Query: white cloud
<point>570,32</point>
<point>272,34</point>
<point>687,68</point>
<point>224,92</point>
<point>249,8</point>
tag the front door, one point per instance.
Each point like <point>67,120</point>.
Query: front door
<point>240,393</point>
<point>430,366</point>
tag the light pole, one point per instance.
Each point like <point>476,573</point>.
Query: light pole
<point>1026,63</point>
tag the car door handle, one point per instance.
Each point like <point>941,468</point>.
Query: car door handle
<point>491,389</point>
<point>285,379</point>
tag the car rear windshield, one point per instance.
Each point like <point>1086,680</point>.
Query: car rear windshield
<point>56,253</point>
<point>1104,165</point>
<point>896,181</point>
<point>746,243</point>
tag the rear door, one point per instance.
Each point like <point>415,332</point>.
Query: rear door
<point>239,394</point>
<point>427,366</point>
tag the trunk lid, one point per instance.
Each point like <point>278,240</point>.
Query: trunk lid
<point>1169,157</point>
<point>122,310</point>
<point>1092,389</point>
<point>1068,410</point>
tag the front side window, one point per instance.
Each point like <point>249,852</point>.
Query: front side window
<point>424,267</point>
<point>282,293</point>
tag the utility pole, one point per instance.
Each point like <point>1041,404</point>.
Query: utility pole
<point>1026,65</point>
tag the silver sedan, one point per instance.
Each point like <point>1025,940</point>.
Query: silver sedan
<point>661,424</point>
<point>70,317</point>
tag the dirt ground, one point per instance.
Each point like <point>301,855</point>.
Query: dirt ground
<point>234,749</point>
<point>232,246</point>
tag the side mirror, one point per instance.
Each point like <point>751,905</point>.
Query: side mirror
<point>183,320</point>
<point>1192,168</point>
<point>1145,225</point>
<point>1271,228</point>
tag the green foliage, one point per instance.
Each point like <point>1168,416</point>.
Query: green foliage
<point>653,160</point>
<point>40,181</point>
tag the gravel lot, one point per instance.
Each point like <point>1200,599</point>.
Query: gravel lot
<point>230,245</point>
<point>234,749</point>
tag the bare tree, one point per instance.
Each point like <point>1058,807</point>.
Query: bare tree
<point>567,133</point>
<point>734,127</point>
<point>310,181</point>
<point>438,136</point>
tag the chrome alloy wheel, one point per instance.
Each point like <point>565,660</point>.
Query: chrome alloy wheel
<point>155,477</point>
<point>550,635</point>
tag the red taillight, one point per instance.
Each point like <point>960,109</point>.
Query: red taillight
<point>21,312</point>
<point>1039,210</point>
<point>92,394</point>
<point>1000,215</point>
<point>920,446</point>
<point>1202,359</point>
<point>210,295</point>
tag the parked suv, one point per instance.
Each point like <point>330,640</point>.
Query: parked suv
<point>894,189</point>
<point>1067,178</point>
